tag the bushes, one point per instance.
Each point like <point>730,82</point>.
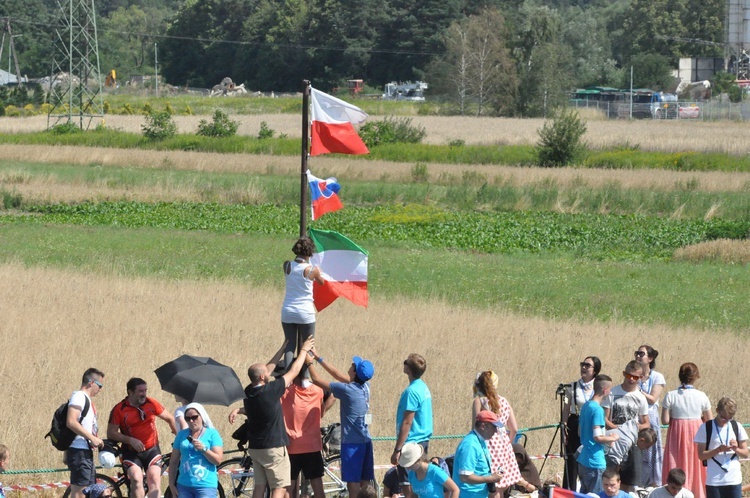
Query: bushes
<point>560,139</point>
<point>390,131</point>
<point>221,126</point>
<point>159,126</point>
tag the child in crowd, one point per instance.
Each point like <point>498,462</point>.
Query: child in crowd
<point>674,487</point>
<point>591,460</point>
<point>4,458</point>
<point>625,455</point>
<point>611,485</point>
<point>391,484</point>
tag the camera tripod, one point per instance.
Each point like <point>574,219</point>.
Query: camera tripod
<point>562,393</point>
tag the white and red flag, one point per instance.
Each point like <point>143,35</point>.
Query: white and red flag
<point>343,265</point>
<point>333,123</point>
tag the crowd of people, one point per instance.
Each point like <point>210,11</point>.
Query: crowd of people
<point>612,434</point>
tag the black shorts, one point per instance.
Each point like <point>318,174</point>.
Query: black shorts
<point>311,465</point>
<point>81,465</point>
<point>144,459</point>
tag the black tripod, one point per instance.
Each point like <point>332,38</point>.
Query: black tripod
<point>562,393</point>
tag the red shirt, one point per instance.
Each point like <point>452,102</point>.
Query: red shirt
<point>138,422</point>
<point>302,412</point>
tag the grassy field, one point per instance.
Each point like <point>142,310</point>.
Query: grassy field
<point>666,136</point>
<point>124,259</point>
<point>129,326</point>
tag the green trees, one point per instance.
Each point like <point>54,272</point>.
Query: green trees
<point>477,69</point>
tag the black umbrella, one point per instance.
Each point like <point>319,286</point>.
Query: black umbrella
<point>200,379</point>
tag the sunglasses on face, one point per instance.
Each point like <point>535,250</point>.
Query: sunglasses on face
<point>631,376</point>
<point>99,385</point>
<point>141,413</point>
<point>638,354</point>
<point>586,365</point>
<point>192,418</point>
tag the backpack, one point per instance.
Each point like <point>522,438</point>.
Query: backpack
<point>709,429</point>
<point>60,435</point>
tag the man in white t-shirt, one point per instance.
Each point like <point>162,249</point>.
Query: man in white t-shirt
<point>80,455</point>
<point>626,401</point>
<point>727,444</point>
<point>674,487</point>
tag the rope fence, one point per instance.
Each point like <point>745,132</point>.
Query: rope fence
<point>65,484</point>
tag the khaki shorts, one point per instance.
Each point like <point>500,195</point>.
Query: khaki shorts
<point>271,466</point>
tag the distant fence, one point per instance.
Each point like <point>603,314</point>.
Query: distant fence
<point>704,111</point>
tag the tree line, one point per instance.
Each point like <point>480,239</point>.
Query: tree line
<point>489,57</point>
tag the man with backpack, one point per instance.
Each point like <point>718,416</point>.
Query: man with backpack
<point>82,421</point>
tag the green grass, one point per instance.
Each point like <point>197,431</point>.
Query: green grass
<point>600,237</point>
<point>550,285</point>
<point>462,190</point>
<point>256,105</point>
<point>424,153</point>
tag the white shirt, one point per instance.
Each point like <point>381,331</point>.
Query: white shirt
<point>715,476</point>
<point>624,406</point>
<point>686,403</point>
<point>88,422</point>
<point>661,492</point>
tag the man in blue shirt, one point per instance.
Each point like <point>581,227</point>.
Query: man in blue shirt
<point>353,392</point>
<point>591,426</point>
<point>471,465</point>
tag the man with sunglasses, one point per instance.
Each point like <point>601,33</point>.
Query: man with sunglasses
<point>626,401</point>
<point>133,423</point>
<point>82,420</point>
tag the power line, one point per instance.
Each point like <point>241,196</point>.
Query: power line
<point>244,43</point>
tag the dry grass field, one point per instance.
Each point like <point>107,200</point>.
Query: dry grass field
<point>670,136</point>
<point>56,324</point>
<point>736,252</point>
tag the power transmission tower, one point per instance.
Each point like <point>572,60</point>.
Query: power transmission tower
<point>75,82</point>
<point>12,54</point>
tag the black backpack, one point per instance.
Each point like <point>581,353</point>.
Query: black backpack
<point>60,434</point>
<point>709,431</point>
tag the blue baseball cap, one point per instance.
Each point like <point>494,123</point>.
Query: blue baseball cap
<point>364,368</point>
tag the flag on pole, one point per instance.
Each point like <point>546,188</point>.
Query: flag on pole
<point>343,265</point>
<point>323,195</point>
<point>557,492</point>
<point>332,125</point>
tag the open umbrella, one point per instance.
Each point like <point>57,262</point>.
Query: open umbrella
<point>200,379</point>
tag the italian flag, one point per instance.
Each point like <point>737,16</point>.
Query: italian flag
<point>343,265</point>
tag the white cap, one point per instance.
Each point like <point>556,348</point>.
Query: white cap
<point>107,459</point>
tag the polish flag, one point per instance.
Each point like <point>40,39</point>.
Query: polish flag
<point>324,196</point>
<point>332,125</point>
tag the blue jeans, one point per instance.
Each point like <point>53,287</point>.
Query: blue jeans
<point>591,479</point>
<point>186,492</point>
<point>734,491</point>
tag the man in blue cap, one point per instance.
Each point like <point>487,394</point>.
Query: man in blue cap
<point>353,391</point>
<point>471,465</point>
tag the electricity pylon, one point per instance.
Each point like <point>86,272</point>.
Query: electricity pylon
<point>75,82</point>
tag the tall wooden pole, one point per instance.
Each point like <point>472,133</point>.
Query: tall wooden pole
<point>305,149</point>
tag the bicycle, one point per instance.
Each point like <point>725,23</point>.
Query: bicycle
<point>120,483</point>
<point>236,474</point>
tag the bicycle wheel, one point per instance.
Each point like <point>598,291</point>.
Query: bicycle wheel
<point>236,477</point>
<point>103,478</point>
<point>333,484</point>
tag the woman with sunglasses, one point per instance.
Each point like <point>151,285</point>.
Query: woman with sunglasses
<point>196,452</point>
<point>577,394</point>
<point>683,410</point>
<point>651,385</point>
